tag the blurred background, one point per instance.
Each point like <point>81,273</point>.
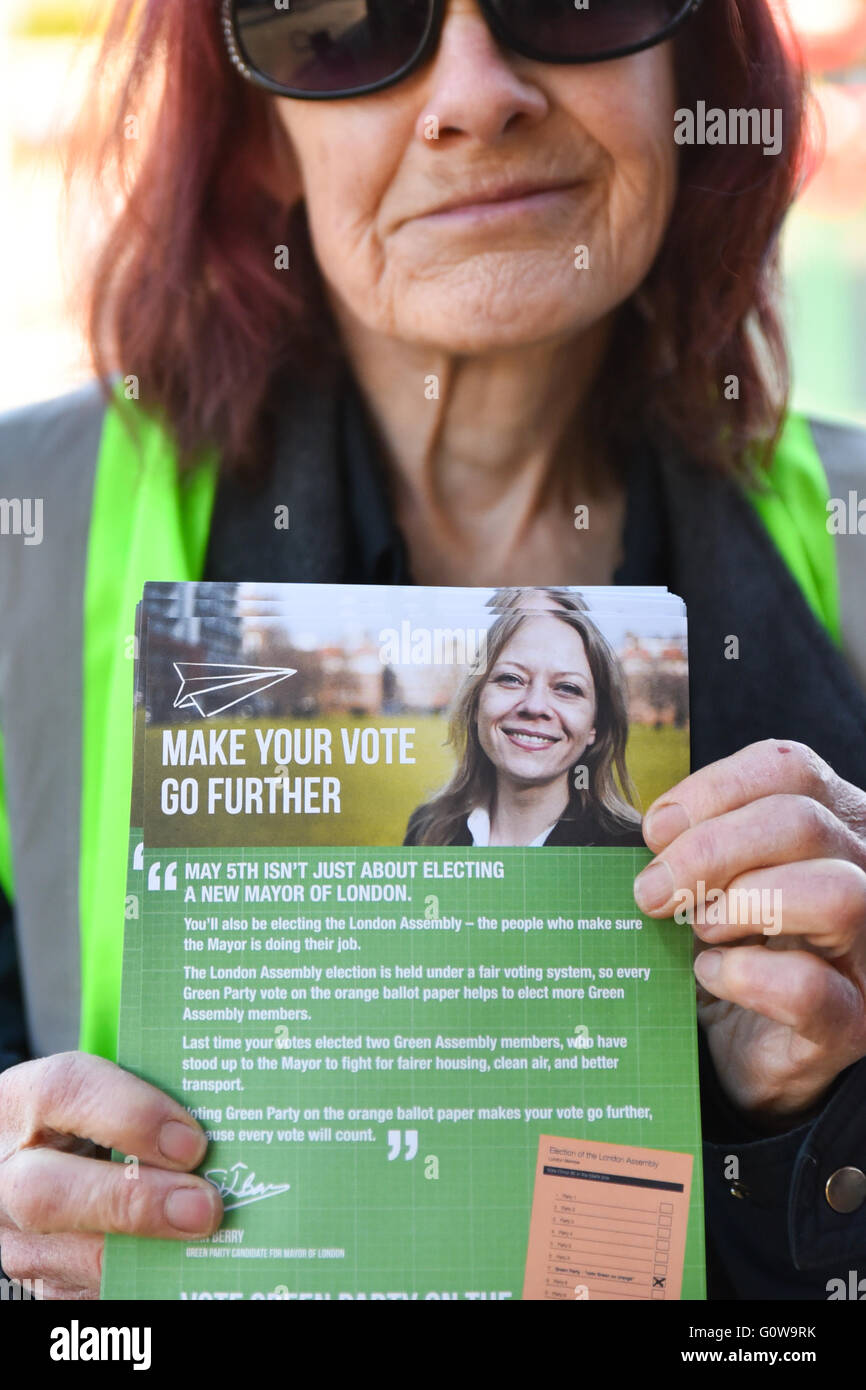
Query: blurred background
<point>43,80</point>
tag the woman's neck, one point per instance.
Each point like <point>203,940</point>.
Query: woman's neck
<point>487,459</point>
<point>522,813</point>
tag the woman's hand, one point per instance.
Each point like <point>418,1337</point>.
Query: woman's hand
<point>782,994</point>
<point>58,1196</point>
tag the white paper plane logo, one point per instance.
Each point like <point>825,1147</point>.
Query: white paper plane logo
<point>214,686</point>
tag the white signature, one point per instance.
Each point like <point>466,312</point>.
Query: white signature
<point>239,1183</point>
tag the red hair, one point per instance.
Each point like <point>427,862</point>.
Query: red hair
<point>185,293</point>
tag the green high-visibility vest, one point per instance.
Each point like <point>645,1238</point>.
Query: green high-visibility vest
<point>149,522</point>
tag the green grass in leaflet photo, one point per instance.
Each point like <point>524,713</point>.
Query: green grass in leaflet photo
<point>657,758</point>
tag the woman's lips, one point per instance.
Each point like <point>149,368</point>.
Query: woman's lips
<point>532,742</point>
<point>533,201</point>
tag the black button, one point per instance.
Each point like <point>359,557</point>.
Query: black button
<point>845,1190</point>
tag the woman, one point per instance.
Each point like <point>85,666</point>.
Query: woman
<point>539,729</point>
<point>444,288</point>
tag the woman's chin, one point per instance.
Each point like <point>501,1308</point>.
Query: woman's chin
<point>522,773</point>
<point>473,319</point>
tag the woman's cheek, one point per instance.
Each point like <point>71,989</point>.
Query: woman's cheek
<point>486,741</point>
<point>494,706</point>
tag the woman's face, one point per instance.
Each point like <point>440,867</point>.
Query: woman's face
<point>536,713</point>
<point>489,274</point>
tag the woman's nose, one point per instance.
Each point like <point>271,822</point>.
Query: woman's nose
<point>473,88</point>
<point>535,703</point>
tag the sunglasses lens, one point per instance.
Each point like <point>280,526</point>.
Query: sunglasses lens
<point>325,46</point>
<point>558,30</point>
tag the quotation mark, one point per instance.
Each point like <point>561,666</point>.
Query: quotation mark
<point>168,882</point>
<point>395,1143</point>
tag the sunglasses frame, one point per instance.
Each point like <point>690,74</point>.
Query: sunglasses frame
<point>428,46</point>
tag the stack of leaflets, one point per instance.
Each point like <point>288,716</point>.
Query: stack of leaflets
<point>384,843</point>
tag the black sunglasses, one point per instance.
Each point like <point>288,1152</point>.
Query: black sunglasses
<point>321,49</point>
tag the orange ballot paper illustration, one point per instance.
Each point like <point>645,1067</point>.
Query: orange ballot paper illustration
<point>608,1222</point>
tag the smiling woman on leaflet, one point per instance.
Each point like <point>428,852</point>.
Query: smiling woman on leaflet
<point>539,728</point>
<point>432,275</point>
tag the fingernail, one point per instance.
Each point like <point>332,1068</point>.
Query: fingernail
<point>707,966</point>
<point>190,1209</point>
<point>654,886</point>
<point>666,822</point>
<point>181,1143</point>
